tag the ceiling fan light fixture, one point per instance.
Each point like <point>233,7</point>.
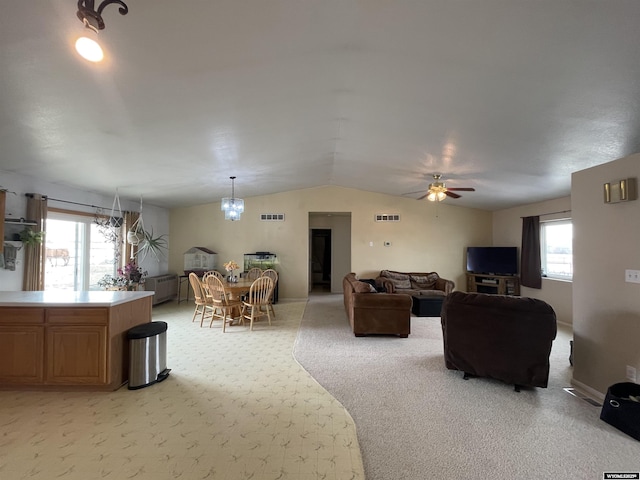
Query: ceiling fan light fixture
<point>436,196</point>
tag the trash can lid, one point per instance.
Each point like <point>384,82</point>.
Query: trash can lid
<point>147,330</point>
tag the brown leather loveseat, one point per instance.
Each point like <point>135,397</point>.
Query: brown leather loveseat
<point>370,312</point>
<point>503,337</point>
<point>415,284</point>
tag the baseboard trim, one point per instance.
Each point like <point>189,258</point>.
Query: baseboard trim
<point>588,390</point>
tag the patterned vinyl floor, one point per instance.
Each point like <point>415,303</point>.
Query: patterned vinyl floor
<point>236,406</point>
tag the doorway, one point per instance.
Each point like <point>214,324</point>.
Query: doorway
<point>320,260</point>
<point>329,250</point>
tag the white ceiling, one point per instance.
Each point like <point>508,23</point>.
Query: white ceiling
<point>508,97</point>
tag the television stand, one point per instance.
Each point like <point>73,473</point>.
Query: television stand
<point>493,284</point>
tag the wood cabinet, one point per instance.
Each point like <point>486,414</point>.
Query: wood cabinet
<point>76,354</point>
<point>493,284</point>
<point>22,354</point>
<point>83,347</point>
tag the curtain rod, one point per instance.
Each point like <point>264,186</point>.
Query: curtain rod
<point>550,213</point>
<point>44,197</point>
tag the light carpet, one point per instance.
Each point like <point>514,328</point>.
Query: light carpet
<point>418,420</point>
<point>236,406</point>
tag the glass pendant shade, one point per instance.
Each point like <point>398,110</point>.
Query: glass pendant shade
<point>231,206</point>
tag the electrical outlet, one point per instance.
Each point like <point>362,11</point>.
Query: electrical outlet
<point>632,276</point>
<point>631,373</point>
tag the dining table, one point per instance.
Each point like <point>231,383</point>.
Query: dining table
<point>239,288</point>
<point>236,290</point>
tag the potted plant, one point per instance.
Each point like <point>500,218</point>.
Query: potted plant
<point>128,278</point>
<point>30,237</point>
<point>154,245</point>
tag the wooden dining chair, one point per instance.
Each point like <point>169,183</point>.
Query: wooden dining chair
<point>217,274</point>
<point>273,275</point>
<point>203,281</point>
<point>204,305</point>
<point>224,306</point>
<point>254,273</point>
<point>256,304</point>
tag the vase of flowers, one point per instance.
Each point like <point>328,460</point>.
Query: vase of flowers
<point>128,278</point>
<point>230,267</point>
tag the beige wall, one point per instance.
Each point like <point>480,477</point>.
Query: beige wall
<point>507,231</point>
<point>429,236</point>
<point>606,308</point>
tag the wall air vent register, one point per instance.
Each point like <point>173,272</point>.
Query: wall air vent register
<point>387,217</point>
<point>272,217</point>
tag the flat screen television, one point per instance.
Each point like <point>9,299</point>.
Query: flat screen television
<point>492,260</point>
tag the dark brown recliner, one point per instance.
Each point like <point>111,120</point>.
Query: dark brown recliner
<point>503,337</point>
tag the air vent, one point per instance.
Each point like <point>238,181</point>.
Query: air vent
<point>272,217</point>
<point>387,217</point>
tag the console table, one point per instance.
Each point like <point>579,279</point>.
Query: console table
<point>494,284</point>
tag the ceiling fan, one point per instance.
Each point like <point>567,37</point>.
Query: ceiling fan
<point>438,191</point>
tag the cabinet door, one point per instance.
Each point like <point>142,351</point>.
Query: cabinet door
<point>76,355</point>
<point>21,354</point>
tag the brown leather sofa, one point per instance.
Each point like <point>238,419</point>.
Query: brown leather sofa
<point>415,284</point>
<point>503,337</point>
<point>370,312</point>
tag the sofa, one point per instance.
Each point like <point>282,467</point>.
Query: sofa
<point>371,312</point>
<point>503,337</point>
<point>415,284</point>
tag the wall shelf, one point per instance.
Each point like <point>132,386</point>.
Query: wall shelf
<point>13,227</point>
<point>19,221</point>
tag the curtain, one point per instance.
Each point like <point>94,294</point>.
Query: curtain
<point>33,278</point>
<point>530,263</point>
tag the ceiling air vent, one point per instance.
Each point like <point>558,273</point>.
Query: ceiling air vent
<point>272,217</point>
<point>387,217</point>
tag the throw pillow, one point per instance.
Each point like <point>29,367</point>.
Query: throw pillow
<point>401,283</point>
<point>424,282</point>
<point>362,287</point>
<point>399,280</point>
<point>372,282</point>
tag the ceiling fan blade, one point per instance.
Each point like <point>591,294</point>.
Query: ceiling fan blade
<point>423,196</point>
<point>449,193</point>
<point>469,189</point>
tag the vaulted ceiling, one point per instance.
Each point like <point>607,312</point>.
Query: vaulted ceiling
<point>508,97</point>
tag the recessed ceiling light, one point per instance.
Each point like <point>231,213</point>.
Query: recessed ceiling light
<point>89,49</point>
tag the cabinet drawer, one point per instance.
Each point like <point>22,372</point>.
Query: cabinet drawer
<point>77,316</point>
<point>21,315</point>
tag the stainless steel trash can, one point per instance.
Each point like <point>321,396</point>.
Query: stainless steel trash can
<point>147,354</point>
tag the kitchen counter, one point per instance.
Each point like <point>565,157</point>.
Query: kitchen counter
<point>66,298</point>
<point>67,340</point>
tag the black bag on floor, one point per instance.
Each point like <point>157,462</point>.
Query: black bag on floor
<point>621,412</point>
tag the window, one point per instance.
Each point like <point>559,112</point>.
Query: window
<point>77,255</point>
<point>556,245</point>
